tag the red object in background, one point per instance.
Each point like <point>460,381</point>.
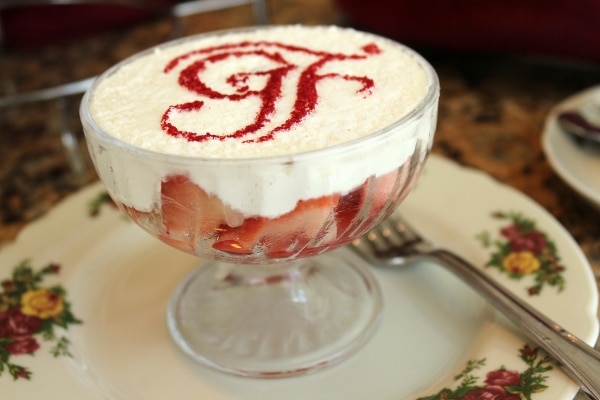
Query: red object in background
<point>34,26</point>
<point>562,28</point>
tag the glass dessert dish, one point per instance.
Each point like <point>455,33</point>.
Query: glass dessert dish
<point>269,298</point>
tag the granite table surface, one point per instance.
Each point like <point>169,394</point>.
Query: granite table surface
<point>491,116</point>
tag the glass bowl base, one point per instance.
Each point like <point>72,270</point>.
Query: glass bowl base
<point>277,320</point>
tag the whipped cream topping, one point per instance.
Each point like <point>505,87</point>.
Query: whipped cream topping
<point>291,82</point>
<point>264,92</point>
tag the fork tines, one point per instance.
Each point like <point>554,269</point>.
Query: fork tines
<point>391,237</point>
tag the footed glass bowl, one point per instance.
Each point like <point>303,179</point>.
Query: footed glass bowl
<point>268,298</point>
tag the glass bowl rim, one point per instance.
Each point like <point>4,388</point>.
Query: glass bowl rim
<point>428,100</point>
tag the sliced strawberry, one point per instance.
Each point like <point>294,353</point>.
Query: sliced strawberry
<point>241,239</point>
<point>310,222</point>
<point>380,190</point>
<point>348,208</point>
<point>189,214</point>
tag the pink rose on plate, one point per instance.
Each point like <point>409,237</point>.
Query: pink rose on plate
<point>496,381</point>
<point>23,345</point>
<point>503,377</point>
<point>533,241</point>
<point>14,324</point>
<point>19,328</point>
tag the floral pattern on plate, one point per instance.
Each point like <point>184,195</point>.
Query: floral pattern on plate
<point>525,250</point>
<point>500,383</point>
<point>29,312</point>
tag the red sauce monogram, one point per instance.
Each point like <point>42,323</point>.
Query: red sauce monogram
<point>306,97</point>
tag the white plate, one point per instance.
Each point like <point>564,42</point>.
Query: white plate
<point>577,165</point>
<point>118,281</point>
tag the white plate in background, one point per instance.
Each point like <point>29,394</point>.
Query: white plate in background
<point>578,165</point>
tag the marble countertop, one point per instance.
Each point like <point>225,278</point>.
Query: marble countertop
<point>492,110</point>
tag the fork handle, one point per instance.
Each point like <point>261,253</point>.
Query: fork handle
<point>580,361</point>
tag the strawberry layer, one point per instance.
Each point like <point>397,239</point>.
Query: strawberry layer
<point>199,223</point>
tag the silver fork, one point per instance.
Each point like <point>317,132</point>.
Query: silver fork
<point>394,243</point>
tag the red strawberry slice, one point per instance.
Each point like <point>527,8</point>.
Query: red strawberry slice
<point>348,208</point>
<point>286,235</point>
<point>350,223</point>
<point>189,214</point>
